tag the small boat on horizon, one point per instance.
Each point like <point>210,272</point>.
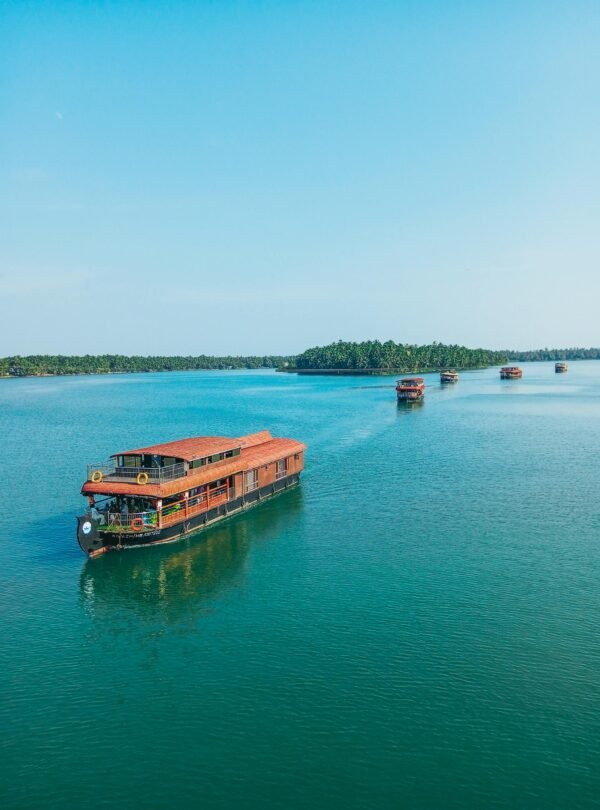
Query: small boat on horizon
<point>449,376</point>
<point>511,373</point>
<point>410,389</point>
<point>161,493</point>
<point>561,367</point>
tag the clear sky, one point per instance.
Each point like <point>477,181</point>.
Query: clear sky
<point>260,177</point>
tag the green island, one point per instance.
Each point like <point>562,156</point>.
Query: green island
<point>375,357</point>
<point>341,357</point>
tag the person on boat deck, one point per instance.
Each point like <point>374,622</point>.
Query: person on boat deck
<point>98,515</point>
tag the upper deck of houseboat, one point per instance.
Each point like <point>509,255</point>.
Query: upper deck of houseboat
<point>166,469</point>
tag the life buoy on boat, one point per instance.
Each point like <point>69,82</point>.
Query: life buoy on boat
<point>97,476</point>
<point>142,478</point>
<point>137,524</point>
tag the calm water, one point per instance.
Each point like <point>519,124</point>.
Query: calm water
<point>418,625</point>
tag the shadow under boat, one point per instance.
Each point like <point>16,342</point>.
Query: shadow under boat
<point>170,581</point>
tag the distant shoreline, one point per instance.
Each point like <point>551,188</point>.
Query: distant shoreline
<point>342,358</point>
<point>133,371</point>
<point>370,372</point>
<point>315,372</point>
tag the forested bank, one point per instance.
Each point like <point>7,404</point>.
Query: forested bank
<point>371,354</point>
<point>37,365</point>
<point>397,357</point>
<point>554,354</point>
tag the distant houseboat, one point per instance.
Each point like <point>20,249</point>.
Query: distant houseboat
<point>410,389</point>
<point>510,373</point>
<point>561,368</point>
<point>448,376</point>
<point>160,493</point>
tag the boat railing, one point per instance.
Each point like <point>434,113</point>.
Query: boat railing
<point>171,512</point>
<point>130,521</point>
<point>200,502</point>
<point>111,471</point>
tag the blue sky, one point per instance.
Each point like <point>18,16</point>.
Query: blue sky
<point>181,178</point>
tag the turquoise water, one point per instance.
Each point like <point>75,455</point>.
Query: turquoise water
<point>417,625</point>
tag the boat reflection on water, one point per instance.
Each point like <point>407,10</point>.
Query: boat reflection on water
<point>405,406</point>
<point>168,582</point>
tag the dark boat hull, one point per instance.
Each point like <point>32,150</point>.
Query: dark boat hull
<point>94,540</point>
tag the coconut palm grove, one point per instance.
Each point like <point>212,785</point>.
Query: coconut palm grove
<point>373,355</point>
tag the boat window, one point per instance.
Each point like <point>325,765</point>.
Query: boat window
<point>251,480</point>
<point>132,461</point>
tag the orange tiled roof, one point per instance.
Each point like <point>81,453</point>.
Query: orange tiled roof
<point>255,438</point>
<point>250,457</point>
<point>187,449</point>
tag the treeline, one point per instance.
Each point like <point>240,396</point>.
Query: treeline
<point>41,364</point>
<point>401,357</point>
<point>371,354</point>
<point>554,354</point>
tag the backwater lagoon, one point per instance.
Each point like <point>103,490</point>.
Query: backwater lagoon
<point>416,625</point>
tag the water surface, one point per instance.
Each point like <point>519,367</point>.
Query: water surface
<point>418,625</point>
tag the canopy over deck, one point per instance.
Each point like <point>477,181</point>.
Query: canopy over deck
<point>187,449</point>
<point>253,455</point>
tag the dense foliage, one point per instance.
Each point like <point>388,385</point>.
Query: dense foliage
<point>404,358</point>
<point>554,354</point>
<point>371,354</point>
<point>114,363</point>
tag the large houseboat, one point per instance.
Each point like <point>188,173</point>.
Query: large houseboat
<point>561,367</point>
<point>510,373</point>
<point>160,493</point>
<point>410,389</point>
